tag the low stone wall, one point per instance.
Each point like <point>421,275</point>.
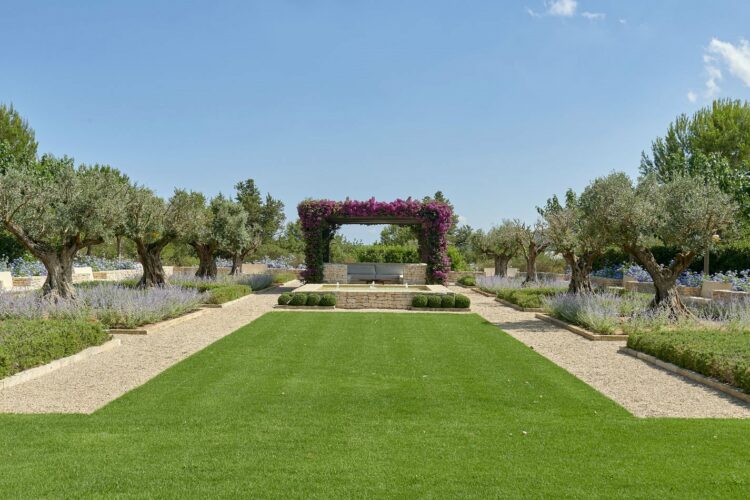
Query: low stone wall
<point>335,273</point>
<point>364,298</point>
<point>605,282</point>
<point>6,280</point>
<point>117,275</point>
<point>254,269</point>
<point>635,286</point>
<point>415,274</point>
<point>728,295</point>
<point>378,300</point>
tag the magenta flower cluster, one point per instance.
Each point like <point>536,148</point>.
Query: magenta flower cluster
<point>435,221</point>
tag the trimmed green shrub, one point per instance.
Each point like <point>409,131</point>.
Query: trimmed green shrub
<point>447,301</point>
<point>313,299</point>
<point>28,343</point>
<point>298,299</point>
<point>434,301</point>
<point>328,300</point>
<point>227,293</point>
<point>284,299</point>
<point>283,277</point>
<point>529,298</point>
<point>467,281</point>
<point>419,301</point>
<point>462,301</point>
<point>724,355</point>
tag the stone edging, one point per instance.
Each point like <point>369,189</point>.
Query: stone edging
<point>517,307</point>
<point>580,331</point>
<point>155,327</point>
<point>39,371</point>
<point>694,376</point>
<point>482,292</point>
<point>227,304</point>
<point>460,310</point>
<point>303,308</point>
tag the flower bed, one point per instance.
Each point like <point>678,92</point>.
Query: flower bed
<point>527,298</point>
<point>601,313</point>
<point>28,343</point>
<point>740,280</point>
<point>717,353</point>
<point>115,306</point>
<point>224,288</point>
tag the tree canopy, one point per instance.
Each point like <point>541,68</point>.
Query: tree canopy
<point>712,144</point>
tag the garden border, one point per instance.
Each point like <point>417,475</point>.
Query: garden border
<point>41,370</point>
<point>303,308</point>
<point>694,376</point>
<point>517,307</point>
<point>155,327</point>
<point>460,310</point>
<point>581,331</point>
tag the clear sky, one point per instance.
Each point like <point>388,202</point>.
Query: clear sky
<point>499,104</point>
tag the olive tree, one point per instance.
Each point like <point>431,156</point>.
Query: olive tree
<point>152,223</point>
<point>264,219</point>
<point>683,212</point>
<point>532,240</point>
<point>571,234</point>
<point>499,243</point>
<point>217,226</point>
<point>55,209</point>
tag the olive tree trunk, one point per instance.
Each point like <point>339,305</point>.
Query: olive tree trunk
<point>57,261</point>
<point>666,298</point>
<point>59,266</point>
<point>206,260</point>
<point>580,272</point>
<point>237,261</point>
<point>150,257</point>
<point>531,254</point>
<point>501,265</point>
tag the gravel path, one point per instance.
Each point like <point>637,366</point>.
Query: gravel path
<point>642,389</point>
<point>88,385</point>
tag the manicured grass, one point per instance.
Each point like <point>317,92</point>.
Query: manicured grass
<point>529,298</point>
<point>356,405</point>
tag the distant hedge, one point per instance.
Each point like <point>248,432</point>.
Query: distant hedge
<point>388,253</point>
<point>734,257</point>
<point>397,254</point>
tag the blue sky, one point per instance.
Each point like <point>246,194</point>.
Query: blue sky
<point>498,104</point>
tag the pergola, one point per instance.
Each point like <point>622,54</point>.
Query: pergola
<point>321,219</point>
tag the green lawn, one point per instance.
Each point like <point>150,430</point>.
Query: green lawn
<point>369,405</point>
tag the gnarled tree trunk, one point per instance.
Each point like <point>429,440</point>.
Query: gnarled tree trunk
<point>237,260</point>
<point>580,273</point>
<point>206,260</point>
<point>531,254</point>
<point>501,265</point>
<point>150,257</point>
<point>59,282</point>
<point>666,297</point>
<point>57,261</point>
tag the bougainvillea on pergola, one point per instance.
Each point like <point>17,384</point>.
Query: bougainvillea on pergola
<point>321,219</point>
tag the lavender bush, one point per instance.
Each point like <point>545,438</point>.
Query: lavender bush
<point>113,305</point>
<point>494,283</point>
<point>598,312</point>
<point>254,281</point>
